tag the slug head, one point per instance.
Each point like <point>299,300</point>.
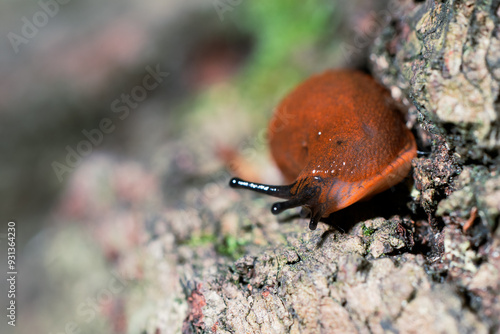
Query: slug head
<point>308,192</point>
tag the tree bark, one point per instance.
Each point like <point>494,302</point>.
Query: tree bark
<point>441,60</point>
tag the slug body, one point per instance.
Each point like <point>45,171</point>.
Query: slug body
<point>338,138</point>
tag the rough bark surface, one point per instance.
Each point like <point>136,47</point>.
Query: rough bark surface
<point>440,59</point>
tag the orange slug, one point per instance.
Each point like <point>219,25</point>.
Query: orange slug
<point>337,138</point>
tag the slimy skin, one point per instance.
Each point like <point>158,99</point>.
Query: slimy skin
<point>338,138</point>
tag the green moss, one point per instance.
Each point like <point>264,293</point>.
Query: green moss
<point>232,247</point>
<point>201,240</point>
<point>367,231</point>
<point>229,246</point>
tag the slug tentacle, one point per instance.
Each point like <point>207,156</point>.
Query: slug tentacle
<point>276,191</point>
<point>315,217</point>
<point>299,193</point>
<point>279,207</point>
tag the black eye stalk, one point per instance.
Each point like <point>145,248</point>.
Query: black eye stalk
<point>304,197</point>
